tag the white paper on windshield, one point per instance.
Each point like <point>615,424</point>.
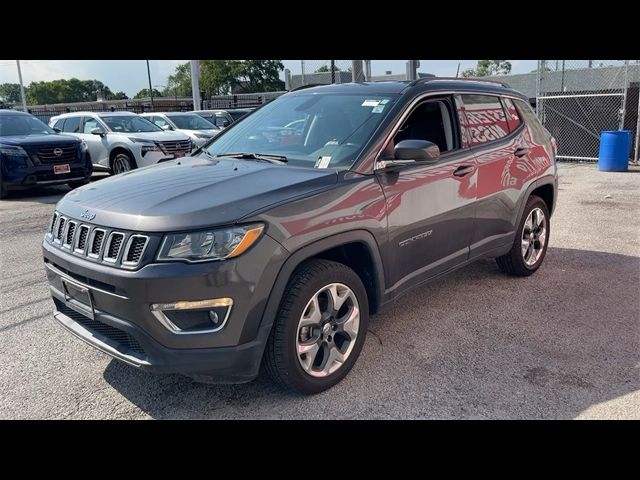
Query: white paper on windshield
<point>370,103</point>
<point>323,162</point>
<point>378,109</point>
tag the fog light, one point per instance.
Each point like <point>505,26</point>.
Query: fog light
<point>199,316</point>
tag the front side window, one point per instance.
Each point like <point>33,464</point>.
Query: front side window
<point>129,124</point>
<point>486,121</point>
<point>432,121</point>
<point>58,124</point>
<point>221,121</point>
<point>312,129</point>
<point>191,122</point>
<point>72,125</point>
<point>159,121</point>
<point>19,125</point>
<point>89,124</point>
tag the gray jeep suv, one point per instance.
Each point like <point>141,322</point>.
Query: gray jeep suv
<point>272,245</point>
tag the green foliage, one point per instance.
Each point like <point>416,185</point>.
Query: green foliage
<point>223,77</point>
<point>119,96</point>
<point>144,93</point>
<point>327,68</point>
<point>68,91</point>
<point>10,93</point>
<point>488,67</point>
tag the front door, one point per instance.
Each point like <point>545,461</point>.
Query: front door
<point>98,145</point>
<point>430,208</point>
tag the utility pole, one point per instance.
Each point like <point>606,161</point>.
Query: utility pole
<point>367,70</point>
<point>302,72</point>
<point>150,87</point>
<point>195,83</point>
<point>24,99</point>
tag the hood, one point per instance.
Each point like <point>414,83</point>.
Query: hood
<point>58,139</point>
<point>191,193</point>
<point>163,136</point>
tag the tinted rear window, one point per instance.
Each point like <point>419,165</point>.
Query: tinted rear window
<point>485,118</point>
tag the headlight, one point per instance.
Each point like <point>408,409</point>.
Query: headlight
<point>148,145</point>
<point>213,244</point>
<point>14,156</point>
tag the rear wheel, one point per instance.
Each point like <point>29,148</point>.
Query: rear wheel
<point>530,245</point>
<point>320,328</point>
<point>122,162</point>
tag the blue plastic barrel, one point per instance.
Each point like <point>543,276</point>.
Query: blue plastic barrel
<point>615,148</point>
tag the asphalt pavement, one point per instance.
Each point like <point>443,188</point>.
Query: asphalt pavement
<point>561,344</point>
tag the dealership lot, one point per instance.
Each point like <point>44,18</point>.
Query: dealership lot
<point>564,343</point>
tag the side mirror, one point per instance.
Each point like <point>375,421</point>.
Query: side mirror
<point>226,123</point>
<point>97,131</point>
<point>417,151</point>
<point>57,130</point>
<point>166,127</point>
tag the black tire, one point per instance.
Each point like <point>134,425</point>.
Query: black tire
<point>3,191</point>
<point>513,262</point>
<point>79,183</point>
<point>122,157</point>
<point>280,358</point>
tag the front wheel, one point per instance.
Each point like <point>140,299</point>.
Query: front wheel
<point>532,237</point>
<point>121,163</point>
<point>320,328</point>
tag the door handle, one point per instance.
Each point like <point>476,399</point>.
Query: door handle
<point>463,170</point>
<point>521,152</point>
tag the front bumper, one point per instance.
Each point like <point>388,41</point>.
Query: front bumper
<point>43,175</point>
<point>118,320</point>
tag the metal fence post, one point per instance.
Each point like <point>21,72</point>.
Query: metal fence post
<point>623,111</point>
<point>333,71</point>
<point>635,155</point>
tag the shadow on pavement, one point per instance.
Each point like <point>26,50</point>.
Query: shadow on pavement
<point>47,195</point>
<point>475,344</point>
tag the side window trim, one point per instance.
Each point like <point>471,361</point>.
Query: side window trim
<point>504,107</point>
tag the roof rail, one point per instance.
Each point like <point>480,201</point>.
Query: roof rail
<point>468,79</point>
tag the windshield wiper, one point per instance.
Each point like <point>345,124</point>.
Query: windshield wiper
<point>277,159</point>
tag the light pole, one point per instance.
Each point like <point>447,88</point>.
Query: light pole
<point>150,87</point>
<point>24,99</point>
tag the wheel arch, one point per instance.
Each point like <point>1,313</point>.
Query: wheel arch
<point>348,248</point>
<point>119,149</point>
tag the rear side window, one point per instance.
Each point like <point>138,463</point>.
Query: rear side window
<point>513,117</point>
<point>486,121</point>
<point>72,125</point>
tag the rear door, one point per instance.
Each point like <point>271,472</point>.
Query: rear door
<point>430,208</point>
<point>497,142</point>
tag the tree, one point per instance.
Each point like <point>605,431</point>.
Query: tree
<point>326,69</point>
<point>10,93</point>
<point>144,93</point>
<point>179,84</point>
<point>260,76</point>
<point>488,67</point>
<point>119,96</point>
<point>68,91</point>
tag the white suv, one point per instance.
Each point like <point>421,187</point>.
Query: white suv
<point>194,126</point>
<point>122,141</point>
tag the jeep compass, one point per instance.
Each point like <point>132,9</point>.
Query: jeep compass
<point>273,243</point>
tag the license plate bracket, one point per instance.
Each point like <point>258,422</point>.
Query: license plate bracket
<point>64,168</point>
<point>79,293</point>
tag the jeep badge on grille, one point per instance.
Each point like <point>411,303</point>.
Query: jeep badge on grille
<point>88,214</point>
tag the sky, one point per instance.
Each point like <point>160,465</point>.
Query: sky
<point>130,76</point>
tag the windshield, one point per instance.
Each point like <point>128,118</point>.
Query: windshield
<point>323,130</point>
<point>191,122</point>
<point>11,125</point>
<point>129,124</point>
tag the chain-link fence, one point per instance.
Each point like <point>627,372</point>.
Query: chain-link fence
<point>323,72</point>
<point>578,99</point>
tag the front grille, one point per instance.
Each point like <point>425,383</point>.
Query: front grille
<point>60,228</point>
<point>57,153</point>
<point>98,244</point>
<point>68,238</point>
<point>122,341</point>
<point>83,233</point>
<point>113,246</point>
<point>180,146</point>
<point>136,249</point>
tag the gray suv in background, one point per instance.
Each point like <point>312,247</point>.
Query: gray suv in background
<point>275,242</point>
<point>121,141</point>
<point>194,126</point>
